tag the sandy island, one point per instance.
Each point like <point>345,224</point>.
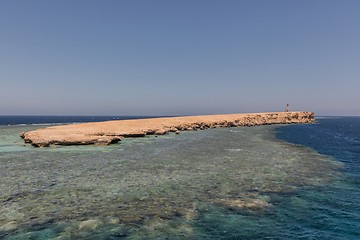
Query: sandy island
<point>105,133</point>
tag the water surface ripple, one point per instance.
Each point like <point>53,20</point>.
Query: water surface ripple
<point>233,183</point>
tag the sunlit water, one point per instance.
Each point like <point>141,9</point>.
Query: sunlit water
<point>230,183</point>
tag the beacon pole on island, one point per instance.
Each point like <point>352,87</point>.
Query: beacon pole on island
<point>287,107</point>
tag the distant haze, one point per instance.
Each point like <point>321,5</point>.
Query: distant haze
<point>179,57</point>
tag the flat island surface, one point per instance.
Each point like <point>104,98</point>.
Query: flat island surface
<point>105,133</point>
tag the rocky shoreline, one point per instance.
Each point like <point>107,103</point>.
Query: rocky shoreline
<point>105,133</point>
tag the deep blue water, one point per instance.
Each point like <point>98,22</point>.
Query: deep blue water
<point>338,137</point>
<point>339,203</point>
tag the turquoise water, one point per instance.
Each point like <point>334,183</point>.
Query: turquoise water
<point>229,183</point>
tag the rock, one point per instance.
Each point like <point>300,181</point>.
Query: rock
<point>177,132</point>
<point>90,224</point>
<point>173,129</point>
<point>114,221</point>
<point>160,132</point>
<point>150,132</point>
<point>250,204</point>
<point>140,134</point>
<point>8,226</point>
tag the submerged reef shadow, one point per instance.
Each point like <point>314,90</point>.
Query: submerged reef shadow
<point>156,189</point>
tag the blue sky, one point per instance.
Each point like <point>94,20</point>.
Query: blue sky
<point>179,57</point>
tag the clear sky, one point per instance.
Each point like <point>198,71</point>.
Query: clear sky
<point>179,57</point>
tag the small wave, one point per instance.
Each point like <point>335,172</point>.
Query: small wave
<point>234,149</point>
<point>235,131</point>
<point>36,124</point>
<point>22,124</point>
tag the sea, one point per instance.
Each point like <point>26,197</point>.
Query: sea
<point>264,182</point>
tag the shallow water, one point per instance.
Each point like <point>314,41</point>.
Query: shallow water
<point>229,183</point>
